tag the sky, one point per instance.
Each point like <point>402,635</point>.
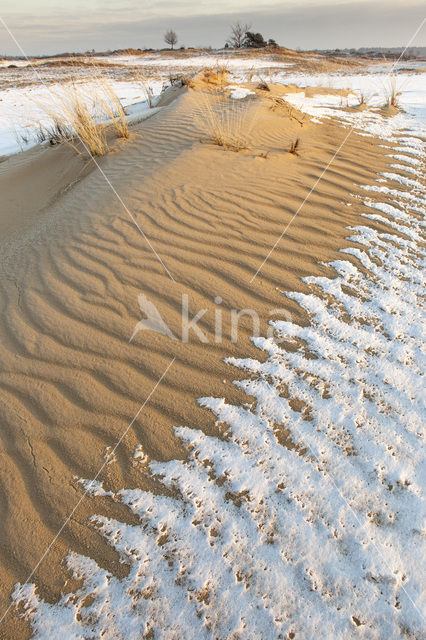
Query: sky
<point>54,26</point>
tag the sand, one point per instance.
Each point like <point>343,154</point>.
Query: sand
<point>74,264</point>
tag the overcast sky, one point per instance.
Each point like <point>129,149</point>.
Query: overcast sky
<point>52,26</point>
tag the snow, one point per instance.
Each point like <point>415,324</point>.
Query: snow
<point>199,61</point>
<point>373,83</point>
<point>306,517</point>
<point>240,92</point>
<point>370,122</point>
<point>22,108</point>
<point>14,63</point>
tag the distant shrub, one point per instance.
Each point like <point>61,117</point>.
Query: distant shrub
<point>254,41</point>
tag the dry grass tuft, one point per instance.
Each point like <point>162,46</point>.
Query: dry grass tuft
<point>217,76</point>
<point>143,82</point>
<point>228,122</point>
<point>294,146</point>
<point>361,97</point>
<point>54,132</point>
<point>180,80</point>
<point>113,109</point>
<point>250,73</point>
<point>221,68</point>
<point>73,116</point>
<point>187,81</point>
<point>263,86</point>
<point>282,105</point>
<point>175,79</point>
<point>209,75</point>
<point>79,118</point>
<point>392,91</point>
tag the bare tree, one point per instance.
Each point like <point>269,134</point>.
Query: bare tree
<point>238,34</point>
<point>170,37</point>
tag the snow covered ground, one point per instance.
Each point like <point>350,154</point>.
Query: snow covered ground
<point>197,61</point>
<point>23,97</point>
<point>321,540</point>
<point>373,88</point>
<point>28,88</point>
<point>23,108</point>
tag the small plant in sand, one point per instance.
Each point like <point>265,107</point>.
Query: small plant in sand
<point>392,91</point>
<point>208,75</point>
<point>180,80</point>
<point>279,104</point>
<point>55,131</point>
<point>216,77</point>
<point>174,79</point>
<point>294,147</point>
<point>21,138</point>
<point>249,75</point>
<point>113,109</point>
<point>187,81</point>
<point>362,98</point>
<point>143,82</point>
<point>263,86</point>
<point>100,91</point>
<point>81,119</point>
<point>227,122</point>
<point>221,69</point>
<point>70,118</point>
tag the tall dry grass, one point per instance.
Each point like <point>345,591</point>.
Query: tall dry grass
<point>227,122</point>
<point>362,97</point>
<point>112,108</point>
<point>392,91</point>
<point>281,105</point>
<point>217,77</point>
<point>143,82</point>
<point>85,113</point>
<point>70,119</point>
<point>294,147</point>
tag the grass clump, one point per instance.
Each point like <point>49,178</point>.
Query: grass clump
<point>279,104</point>
<point>217,76</point>
<point>362,98</point>
<point>227,122</point>
<point>143,82</point>
<point>70,119</point>
<point>263,86</point>
<point>113,109</point>
<point>187,81</point>
<point>294,147</point>
<point>85,114</point>
<point>79,118</point>
<point>392,91</point>
<point>180,80</point>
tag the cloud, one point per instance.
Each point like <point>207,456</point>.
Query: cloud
<point>111,24</point>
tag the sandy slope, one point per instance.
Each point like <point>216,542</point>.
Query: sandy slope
<point>70,381</point>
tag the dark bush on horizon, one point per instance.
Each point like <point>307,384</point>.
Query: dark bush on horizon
<point>254,41</point>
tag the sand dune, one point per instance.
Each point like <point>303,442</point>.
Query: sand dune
<point>70,381</point>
